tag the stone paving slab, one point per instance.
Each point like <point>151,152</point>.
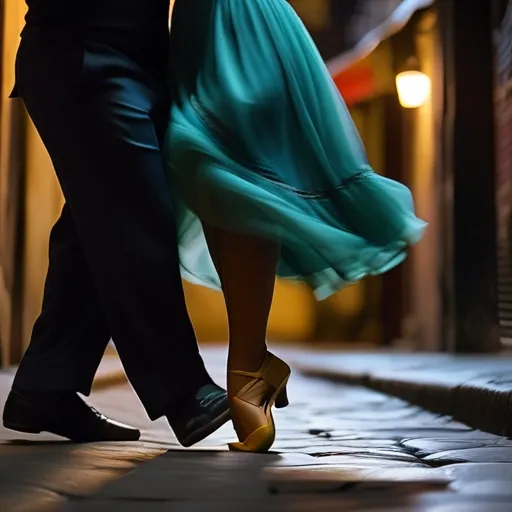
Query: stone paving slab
<point>42,473</point>
<point>338,448</point>
<point>474,389</point>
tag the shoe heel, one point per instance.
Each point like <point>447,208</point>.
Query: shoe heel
<point>282,399</point>
<point>18,415</point>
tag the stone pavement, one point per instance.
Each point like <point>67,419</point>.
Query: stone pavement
<point>338,448</point>
<point>474,389</point>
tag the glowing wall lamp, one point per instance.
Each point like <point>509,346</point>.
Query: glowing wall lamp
<point>413,86</point>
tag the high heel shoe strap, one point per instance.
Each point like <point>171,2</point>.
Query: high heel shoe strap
<point>273,371</point>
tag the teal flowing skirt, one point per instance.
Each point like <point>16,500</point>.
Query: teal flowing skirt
<point>260,142</point>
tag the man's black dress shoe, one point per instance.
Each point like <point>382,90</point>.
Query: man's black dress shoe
<point>64,414</point>
<point>198,416</point>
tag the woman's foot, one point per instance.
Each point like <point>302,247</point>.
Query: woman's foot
<point>251,397</point>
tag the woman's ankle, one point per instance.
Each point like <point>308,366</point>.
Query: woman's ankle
<point>247,361</point>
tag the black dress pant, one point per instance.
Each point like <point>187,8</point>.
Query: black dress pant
<point>114,268</point>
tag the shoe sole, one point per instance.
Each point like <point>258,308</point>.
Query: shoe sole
<point>31,430</point>
<point>21,428</point>
<point>207,430</point>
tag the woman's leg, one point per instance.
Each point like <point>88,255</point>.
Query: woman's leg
<point>246,267</point>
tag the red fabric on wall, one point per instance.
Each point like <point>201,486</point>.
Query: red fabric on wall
<point>356,84</point>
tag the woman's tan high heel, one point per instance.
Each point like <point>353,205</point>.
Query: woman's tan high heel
<point>251,407</point>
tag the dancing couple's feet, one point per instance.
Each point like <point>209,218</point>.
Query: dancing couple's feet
<point>67,415</point>
<point>252,396</point>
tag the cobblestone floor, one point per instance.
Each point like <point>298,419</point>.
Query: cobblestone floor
<point>476,389</point>
<point>338,448</point>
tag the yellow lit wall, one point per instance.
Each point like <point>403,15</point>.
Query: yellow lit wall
<point>13,12</point>
<point>426,157</point>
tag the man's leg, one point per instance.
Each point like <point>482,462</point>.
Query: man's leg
<point>71,333</point>
<point>105,150</point>
<point>68,341</point>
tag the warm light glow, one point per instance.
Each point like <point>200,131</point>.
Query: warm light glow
<point>413,88</point>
